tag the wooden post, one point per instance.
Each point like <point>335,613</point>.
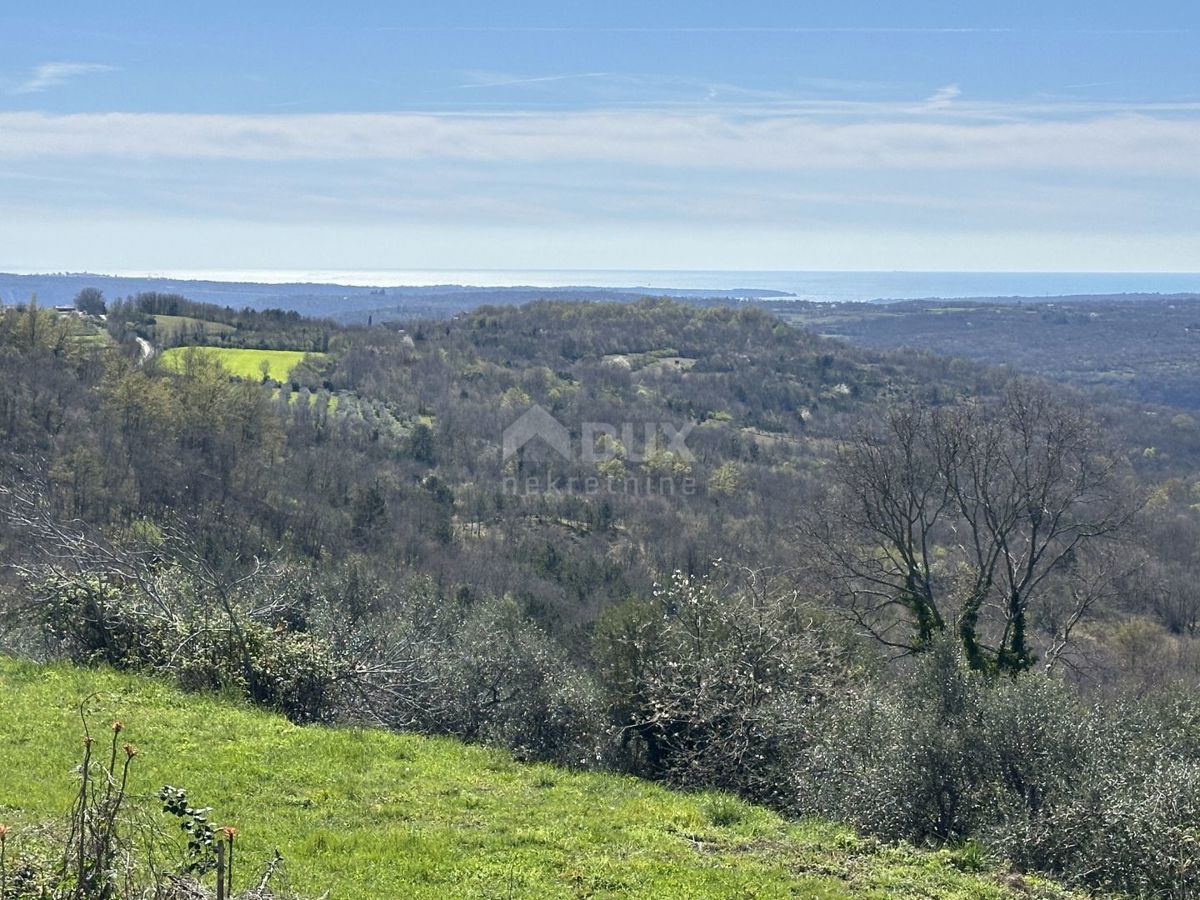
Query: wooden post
<point>220,870</point>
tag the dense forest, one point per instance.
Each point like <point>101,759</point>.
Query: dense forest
<point>936,600</point>
<point>1131,346</point>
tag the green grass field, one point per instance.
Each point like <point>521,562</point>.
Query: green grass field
<point>369,814</point>
<point>169,328</point>
<point>245,363</point>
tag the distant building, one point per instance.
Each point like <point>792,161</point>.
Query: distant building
<point>64,310</point>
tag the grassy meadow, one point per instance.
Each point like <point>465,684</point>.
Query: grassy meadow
<point>244,363</point>
<point>369,814</point>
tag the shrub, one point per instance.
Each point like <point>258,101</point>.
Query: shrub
<point>504,681</point>
<point>172,625</point>
<point>710,683</point>
<point>1106,798</point>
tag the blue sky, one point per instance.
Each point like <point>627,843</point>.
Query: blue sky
<point>168,137</point>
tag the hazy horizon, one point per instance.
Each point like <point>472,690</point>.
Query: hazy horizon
<point>810,285</point>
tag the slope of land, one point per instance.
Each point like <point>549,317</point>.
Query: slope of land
<point>369,814</point>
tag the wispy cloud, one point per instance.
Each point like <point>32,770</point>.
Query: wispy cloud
<point>494,81</point>
<point>897,139</point>
<point>52,74</point>
<point>609,89</point>
<point>700,29</point>
<point>943,97</point>
<point>774,29</point>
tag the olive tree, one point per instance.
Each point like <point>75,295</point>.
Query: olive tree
<point>711,681</point>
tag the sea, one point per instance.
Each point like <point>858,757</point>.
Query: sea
<point>820,286</point>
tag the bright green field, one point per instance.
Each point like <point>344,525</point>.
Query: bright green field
<point>244,363</point>
<point>368,814</point>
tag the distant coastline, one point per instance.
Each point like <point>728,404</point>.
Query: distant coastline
<point>363,298</point>
<point>804,285</point>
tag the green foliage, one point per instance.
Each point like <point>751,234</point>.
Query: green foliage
<point>200,833</point>
<point>37,331</point>
<point>723,482</point>
<point>509,684</point>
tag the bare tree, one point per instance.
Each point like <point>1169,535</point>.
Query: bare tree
<point>964,516</point>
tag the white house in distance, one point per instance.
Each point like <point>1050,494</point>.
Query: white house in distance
<point>67,309</point>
